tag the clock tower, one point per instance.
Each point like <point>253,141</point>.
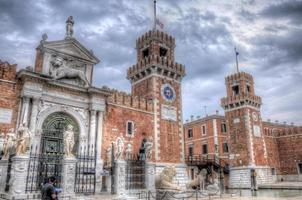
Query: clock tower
<point>157,76</point>
<point>247,145</point>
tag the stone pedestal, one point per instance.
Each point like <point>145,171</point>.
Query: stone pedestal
<point>150,176</point>
<point>119,177</point>
<point>18,177</point>
<point>68,177</point>
<point>98,174</point>
<point>3,174</point>
<point>166,194</point>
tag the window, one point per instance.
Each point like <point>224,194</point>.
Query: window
<point>273,171</point>
<point>248,89</point>
<point>204,149</point>
<point>190,133</point>
<point>191,150</point>
<point>146,53</point>
<point>235,89</point>
<point>223,128</point>
<point>130,128</point>
<point>203,130</point>
<point>162,52</point>
<point>225,147</point>
<point>300,168</point>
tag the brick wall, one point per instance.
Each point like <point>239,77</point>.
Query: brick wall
<point>9,90</point>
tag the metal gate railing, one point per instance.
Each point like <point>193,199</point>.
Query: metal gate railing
<point>85,178</point>
<point>135,172</point>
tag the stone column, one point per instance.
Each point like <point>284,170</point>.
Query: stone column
<point>3,174</point>
<point>18,177</point>
<point>92,131</point>
<point>68,177</point>
<point>99,161</point>
<point>33,121</point>
<point>25,107</point>
<point>150,176</point>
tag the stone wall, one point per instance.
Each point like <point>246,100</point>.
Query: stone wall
<point>9,90</point>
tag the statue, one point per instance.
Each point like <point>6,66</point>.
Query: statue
<point>69,27</point>
<point>59,70</point>
<point>23,139</point>
<point>199,181</point>
<point>128,151</point>
<point>148,148</point>
<point>69,141</point>
<point>9,143</point>
<point>164,180</point>
<point>120,148</point>
<point>109,155</point>
<point>213,188</point>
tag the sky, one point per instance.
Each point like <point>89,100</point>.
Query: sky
<point>267,35</point>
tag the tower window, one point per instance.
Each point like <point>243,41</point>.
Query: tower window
<point>223,128</point>
<point>146,53</point>
<point>190,133</point>
<point>130,128</point>
<point>300,168</point>
<point>191,150</point>
<point>225,148</point>
<point>235,89</point>
<point>203,130</point>
<point>204,149</point>
<point>162,52</point>
<point>248,89</point>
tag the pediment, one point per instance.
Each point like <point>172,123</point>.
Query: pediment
<point>71,47</point>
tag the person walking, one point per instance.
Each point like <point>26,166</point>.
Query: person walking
<point>49,191</point>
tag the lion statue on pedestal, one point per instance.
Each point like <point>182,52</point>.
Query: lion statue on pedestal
<point>164,180</point>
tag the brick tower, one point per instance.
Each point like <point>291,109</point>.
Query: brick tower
<point>158,77</point>
<point>247,144</point>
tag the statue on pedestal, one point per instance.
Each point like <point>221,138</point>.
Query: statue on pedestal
<point>23,139</point>
<point>69,27</point>
<point>68,141</point>
<point>148,148</point>
<point>9,143</point>
<point>199,181</point>
<point>128,151</point>
<point>164,180</point>
<point>120,148</point>
<point>109,154</point>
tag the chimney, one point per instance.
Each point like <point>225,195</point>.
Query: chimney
<point>192,118</point>
<point>217,112</point>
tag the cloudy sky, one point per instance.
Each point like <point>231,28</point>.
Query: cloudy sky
<point>268,36</point>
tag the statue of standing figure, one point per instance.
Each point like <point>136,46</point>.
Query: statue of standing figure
<point>148,145</point>
<point>120,148</point>
<point>69,27</point>
<point>128,151</point>
<point>9,143</point>
<point>23,140</point>
<point>69,141</point>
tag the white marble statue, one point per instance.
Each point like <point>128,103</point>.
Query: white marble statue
<point>164,180</point>
<point>128,151</point>
<point>2,140</point>
<point>69,141</point>
<point>199,181</point>
<point>60,70</point>
<point>148,148</point>
<point>69,27</point>
<point>9,143</point>
<point>119,148</point>
<point>23,140</point>
<point>109,154</point>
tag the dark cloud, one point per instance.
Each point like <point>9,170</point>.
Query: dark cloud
<point>291,10</point>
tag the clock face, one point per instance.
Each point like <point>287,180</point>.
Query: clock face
<point>255,116</point>
<point>168,92</point>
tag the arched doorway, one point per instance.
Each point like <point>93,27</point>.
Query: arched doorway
<point>52,145</point>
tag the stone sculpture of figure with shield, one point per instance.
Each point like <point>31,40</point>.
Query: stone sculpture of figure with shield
<point>9,143</point>
<point>23,140</point>
<point>148,148</point>
<point>69,141</point>
<point>120,148</point>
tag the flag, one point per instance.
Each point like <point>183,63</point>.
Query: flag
<point>160,24</point>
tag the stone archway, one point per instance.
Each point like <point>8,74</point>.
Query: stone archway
<point>52,144</point>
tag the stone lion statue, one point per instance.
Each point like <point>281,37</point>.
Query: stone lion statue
<point>59,70</point>
<point>164,180</point>
<point>199,181</point>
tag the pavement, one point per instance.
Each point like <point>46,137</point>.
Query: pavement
<point>283,185</point>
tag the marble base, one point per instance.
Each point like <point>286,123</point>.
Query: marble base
<point>68,177</point>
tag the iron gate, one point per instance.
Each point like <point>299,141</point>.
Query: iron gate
<point>135,173</point>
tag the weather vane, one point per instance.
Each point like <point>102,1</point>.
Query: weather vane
<point>236,53</point>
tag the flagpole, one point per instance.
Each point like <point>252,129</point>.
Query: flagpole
<point>236,54</point>
<point>154,26</point>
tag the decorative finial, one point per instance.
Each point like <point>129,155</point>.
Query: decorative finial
<point>44,37</point>
<point>236,53</point>
<point>154,26</point>
<point>69,27</point>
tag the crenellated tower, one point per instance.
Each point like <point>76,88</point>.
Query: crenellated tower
<point>247,144</point>
<point>158,77</point>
